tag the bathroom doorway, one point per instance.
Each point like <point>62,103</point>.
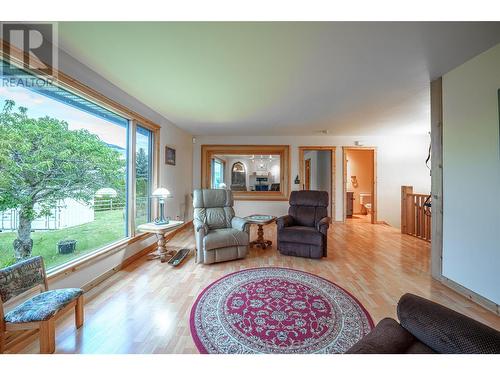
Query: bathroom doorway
<point>360,188</point>
<point>317,171</point>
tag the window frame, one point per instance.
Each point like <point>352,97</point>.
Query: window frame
<point>68,83</point>
<point>222,164</point>
<point>151,182</point>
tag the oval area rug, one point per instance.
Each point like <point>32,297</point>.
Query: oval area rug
<point>276,310</point>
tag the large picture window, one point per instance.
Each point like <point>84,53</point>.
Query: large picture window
<point>64,166</point>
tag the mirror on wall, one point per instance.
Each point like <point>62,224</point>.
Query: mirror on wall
<point>251,172</point>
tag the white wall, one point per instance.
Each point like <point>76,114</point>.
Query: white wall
<point>319,172</point>
<point>471,175</point>
<point>324,165</point>
<point>401,161</point>
<point>178,178</point>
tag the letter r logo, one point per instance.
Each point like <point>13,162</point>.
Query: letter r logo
<point>35,41</point>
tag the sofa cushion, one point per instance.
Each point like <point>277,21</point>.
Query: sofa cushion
<point>308,207</point>
<point>215,217</point>
<point>43,306</point>
<point>301,250</point>
<point>210,198</point>
<point>388,337</point>
<point>219,238</point>
<point>311,198</point>
<point>299,234</point>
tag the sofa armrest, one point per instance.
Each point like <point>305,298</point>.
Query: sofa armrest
<point>323,225</point>
<point>200,226</point>
<point>388,337</point>
<point>445,330</point>
<point>240,224</point>
<point>284,221</point>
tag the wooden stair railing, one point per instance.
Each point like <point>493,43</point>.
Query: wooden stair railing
<point>415,214</point>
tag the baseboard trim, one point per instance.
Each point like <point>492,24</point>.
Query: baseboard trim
<point>473,296</point>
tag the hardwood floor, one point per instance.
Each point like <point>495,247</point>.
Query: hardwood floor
<point>145,307</point>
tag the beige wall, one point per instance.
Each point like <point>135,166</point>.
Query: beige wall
<point>359,164</point>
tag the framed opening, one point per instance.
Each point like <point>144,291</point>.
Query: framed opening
<point>356,188</point>
<point>251,172</point>
<point>313,159</point>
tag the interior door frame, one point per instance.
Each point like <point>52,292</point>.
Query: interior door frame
<point>332,150</point>
<point>374,185</point>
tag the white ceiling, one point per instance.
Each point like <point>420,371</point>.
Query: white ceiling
<point>229,78</point>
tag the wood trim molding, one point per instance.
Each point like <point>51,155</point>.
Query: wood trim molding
<point>208,151</point>
<point>473,296</point>
<point>83,262</point>
<point>93,257</point>
<point>437,178</point>
<point>333,187</point>
<point>374,218</point>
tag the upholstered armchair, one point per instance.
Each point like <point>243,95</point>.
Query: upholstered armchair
<point>41,310</point>
<point>219,235</point>
<point>303,232</point>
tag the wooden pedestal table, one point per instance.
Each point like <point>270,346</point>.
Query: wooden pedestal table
<point>160,231</point>
<point>260,220</point>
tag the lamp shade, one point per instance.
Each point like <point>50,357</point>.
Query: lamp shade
<point>161,193</point>
<point>222,185</point>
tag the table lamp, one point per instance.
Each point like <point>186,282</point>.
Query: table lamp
<point>161,194</point>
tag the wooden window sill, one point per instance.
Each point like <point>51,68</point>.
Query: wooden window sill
<point>92,257</point>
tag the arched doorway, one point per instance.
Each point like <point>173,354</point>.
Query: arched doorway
<point>238,177</point>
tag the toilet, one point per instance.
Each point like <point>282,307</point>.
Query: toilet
<point>365,200</point>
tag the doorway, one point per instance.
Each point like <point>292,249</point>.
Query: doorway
<point>359,183</point>
<point>317,171</point>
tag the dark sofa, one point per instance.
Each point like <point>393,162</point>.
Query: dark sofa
<point>303,232</point>
<point>426,327</point>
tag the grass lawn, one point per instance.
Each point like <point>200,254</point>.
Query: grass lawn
<point>107,227</point>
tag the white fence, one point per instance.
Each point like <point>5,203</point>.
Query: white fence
<point>68,213</point>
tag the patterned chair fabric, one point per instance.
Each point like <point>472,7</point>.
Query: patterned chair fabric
<point>42,306</point>
<point>219,234</point>
<point>20,277</point>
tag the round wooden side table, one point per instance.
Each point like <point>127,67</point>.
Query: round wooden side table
<point>260,220</point>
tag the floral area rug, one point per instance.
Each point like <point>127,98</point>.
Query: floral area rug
<point>276,310</point>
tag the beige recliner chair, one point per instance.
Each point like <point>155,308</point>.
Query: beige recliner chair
<point>220,235</point>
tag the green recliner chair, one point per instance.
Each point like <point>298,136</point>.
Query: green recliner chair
<point>219,234</point>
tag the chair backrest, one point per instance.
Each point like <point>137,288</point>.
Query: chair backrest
<point>308,207</point>
<point>21,277</point>
<point>214,207</point>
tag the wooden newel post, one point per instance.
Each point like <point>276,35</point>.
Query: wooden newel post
<point>405,190</point>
